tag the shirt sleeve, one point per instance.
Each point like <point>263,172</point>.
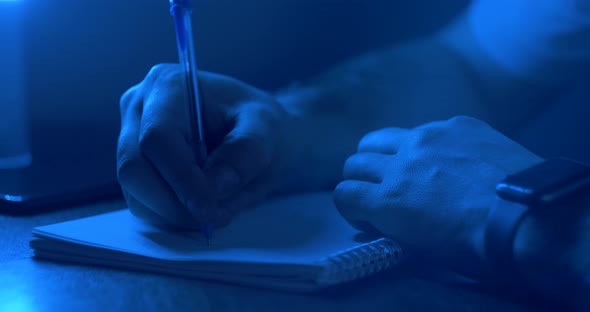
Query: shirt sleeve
<point>546,41</point>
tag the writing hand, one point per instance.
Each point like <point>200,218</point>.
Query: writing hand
<point>156,168</point>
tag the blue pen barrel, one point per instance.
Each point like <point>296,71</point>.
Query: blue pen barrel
<point>178,9</point>
<point>181,13</point>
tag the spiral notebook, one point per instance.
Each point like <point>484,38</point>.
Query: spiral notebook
<point>295,243</point>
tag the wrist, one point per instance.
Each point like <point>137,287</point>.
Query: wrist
<point>320,135</point>
<point>549,241</point>
<point>296,98</point>
<point>290,169</point>
<point>303,156</point>
<point>536,232</point>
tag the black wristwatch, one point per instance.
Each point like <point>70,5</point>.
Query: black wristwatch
<point>542,186</point>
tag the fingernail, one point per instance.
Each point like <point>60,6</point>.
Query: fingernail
<point>224,179</point>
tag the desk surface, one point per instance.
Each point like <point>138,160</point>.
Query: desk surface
<point>33,285</point>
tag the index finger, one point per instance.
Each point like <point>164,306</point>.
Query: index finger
<point>163,141</point>
<point>386,141</point>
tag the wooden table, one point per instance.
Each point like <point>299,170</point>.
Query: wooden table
<point>27,285</point>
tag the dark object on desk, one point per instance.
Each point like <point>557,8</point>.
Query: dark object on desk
<point>72,165</point>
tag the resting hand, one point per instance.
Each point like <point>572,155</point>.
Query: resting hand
<point>430,187</point>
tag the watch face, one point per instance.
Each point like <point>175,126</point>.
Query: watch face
<point>546,182</point>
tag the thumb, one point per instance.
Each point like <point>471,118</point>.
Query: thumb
<point>244,154</point>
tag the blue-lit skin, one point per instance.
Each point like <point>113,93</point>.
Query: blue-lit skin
<point>547,41</point>
<point>433,181</point>
<point>193,196</point>
<point>427,183</point>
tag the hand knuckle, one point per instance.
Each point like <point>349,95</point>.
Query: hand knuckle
<point>126,166</point>
<point>370,137</point>
<point>127,98</point>
<point>156,72</point>
<point>374,137</point>
<point>428,136</point>
<point>337,193</point>
<point>356,160</point>
<point>151,137</point>
<point>366,143</point>
<point>342,200</point>
<point>348,162</point>
<point>163,74</point>
<point>466,120</point>
<point>340,193</point>
<point>459,119</point>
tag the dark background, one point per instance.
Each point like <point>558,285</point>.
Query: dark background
<point>82,55</point>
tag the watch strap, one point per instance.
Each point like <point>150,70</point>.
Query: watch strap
<point>502,224</point>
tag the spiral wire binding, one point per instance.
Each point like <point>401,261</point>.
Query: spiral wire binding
<point>360,261</point>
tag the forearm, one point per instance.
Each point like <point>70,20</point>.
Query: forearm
<point>546,41</point>
<point>403,86</point>
<point>509,100</point>
<point>525,54</point>
<point>449,73</point>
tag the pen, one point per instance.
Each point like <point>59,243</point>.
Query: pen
<point>181,12</point>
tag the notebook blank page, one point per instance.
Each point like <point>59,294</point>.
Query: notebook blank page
<point>300,229</point>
